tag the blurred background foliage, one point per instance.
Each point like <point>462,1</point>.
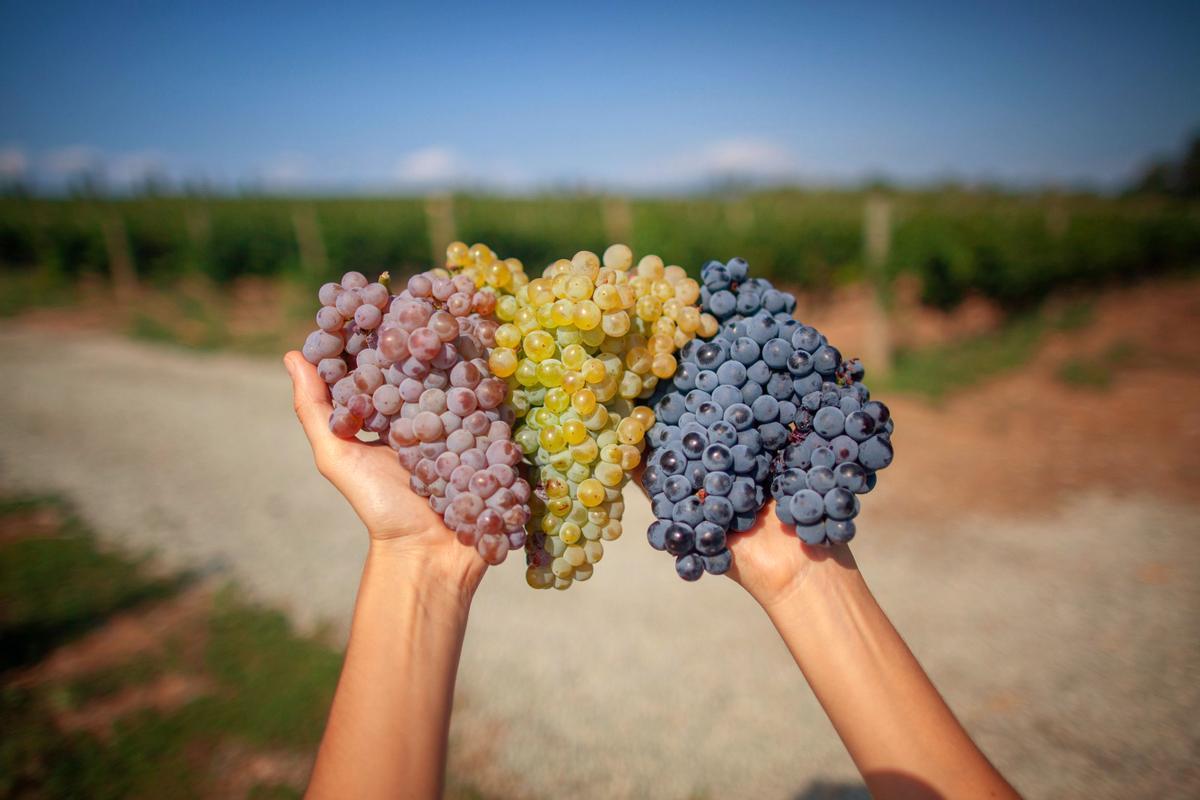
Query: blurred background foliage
<point>1011,248</point>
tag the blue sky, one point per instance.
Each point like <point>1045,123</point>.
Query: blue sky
<point>521,96</point>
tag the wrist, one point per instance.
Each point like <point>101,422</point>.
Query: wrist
<point>451,574</point>
<point>823,572</point>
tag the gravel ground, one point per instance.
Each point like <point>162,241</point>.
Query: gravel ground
<point>1067,642</point>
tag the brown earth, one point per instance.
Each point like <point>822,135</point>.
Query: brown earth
<point>1020,442</point>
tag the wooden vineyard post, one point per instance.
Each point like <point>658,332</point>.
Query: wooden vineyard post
<point>440,224</point>
<point>121,268</point>
<point>617,215</point>
<point>877,241</point>
<point>313,259</point>
<point>47,259</point>
<point>198,225</point>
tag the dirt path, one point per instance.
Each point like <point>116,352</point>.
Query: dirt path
<point>1063,636</point>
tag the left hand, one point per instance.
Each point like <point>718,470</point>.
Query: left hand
<point>369,476</point>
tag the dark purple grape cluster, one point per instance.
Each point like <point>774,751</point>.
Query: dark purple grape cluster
<point>413,369</point>
<point>768,405</point>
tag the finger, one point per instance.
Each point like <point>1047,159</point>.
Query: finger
<point>310,398</point>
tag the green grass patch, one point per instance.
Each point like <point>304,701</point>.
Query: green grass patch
<point>189,321</point>
<point>1096,372</point>
<point>280,685</point>
<point>1076,316</point>
<point>147,328</point>
<point>53,588</point>
<point>936,371</point>
<point>41,288</point>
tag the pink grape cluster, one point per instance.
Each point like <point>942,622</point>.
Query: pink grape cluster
<point>413,369</point>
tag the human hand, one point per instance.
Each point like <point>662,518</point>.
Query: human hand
<point>773,565</point>
<point>369,476</point>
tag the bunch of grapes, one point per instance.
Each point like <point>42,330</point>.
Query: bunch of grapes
<point>413,370</point>
<point>756,403</point>
<point>768,403</point>
<point>580,346</point>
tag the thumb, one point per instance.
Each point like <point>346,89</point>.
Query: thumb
<point>310,400</point>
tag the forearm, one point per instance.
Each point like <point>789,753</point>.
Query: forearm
<point>388,727</point>
<point>902,736</point>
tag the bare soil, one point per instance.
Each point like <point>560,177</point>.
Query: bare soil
<point>1019,443</point>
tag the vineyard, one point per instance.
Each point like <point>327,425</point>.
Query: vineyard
<point>1010,248</point>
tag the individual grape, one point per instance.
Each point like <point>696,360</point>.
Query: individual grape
<point>731,373</point>
<point>344,424</point>
<point>367,317</point>
<point>859,425</point>
<point>689,511</point>
<point>718,483</point>
<point>850,475</point>
<point>347,303</point>
<point>844,448</point>
<point>875,453</point>
<point>739,416</point>
<point>657,534</point>
<point>811,533</point>
<point>679,539</point>
<point>662,506</point>
<point>877,411</point>
<point>690,567</point>
<point>822,456</point>
<point>710,538</point>
<point>721,432</point>
<point>840,503</point>
<point>829,421</point>
<point>707,381</point>
<point>331,370</point>
<point>387,400</point>
<point>821,479</point>
<point>717,458</point>
<point>717,510</point>
<point>806,507</point>
<point>839,531</point>
<point>719,563</point>
<point>722,304</point>
<point>321,345</point>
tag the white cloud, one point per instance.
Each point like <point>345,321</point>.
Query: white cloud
<point>751,157</point>
<point>13,162</point>
<point>130,168</point>
<point>431,165</point>
<point>748,158</point>
<point>67,162</point>
<point>287,169</point>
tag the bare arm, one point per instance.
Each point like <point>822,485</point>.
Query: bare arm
<point>390,721</point>
<point>901,734</point>
<point>388,728</point>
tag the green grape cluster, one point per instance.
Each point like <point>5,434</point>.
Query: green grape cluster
<point>579,347</point>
